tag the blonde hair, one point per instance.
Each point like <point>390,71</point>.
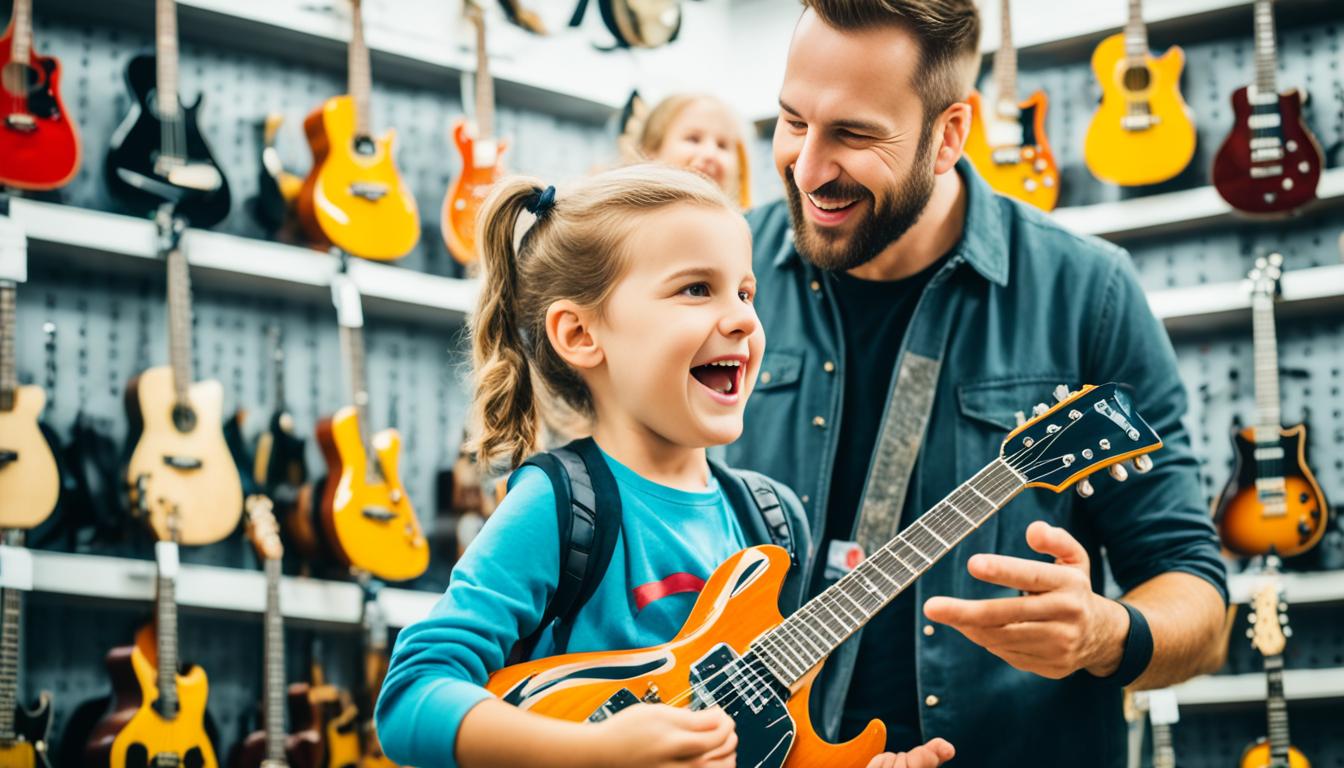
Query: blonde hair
<point>651,134</point>
<point>575,251</point>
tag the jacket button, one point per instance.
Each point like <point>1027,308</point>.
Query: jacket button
<point>806,498</point>
<point>766,377</point>
<point>817,421</point>
<point>930,700</point>
<point>928,630</point>
<point>828,366</point>
<point>816,286</point>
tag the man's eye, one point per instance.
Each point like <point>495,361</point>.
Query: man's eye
<point>698,290</point>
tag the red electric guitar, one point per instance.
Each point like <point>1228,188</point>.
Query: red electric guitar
<point>38,145</point>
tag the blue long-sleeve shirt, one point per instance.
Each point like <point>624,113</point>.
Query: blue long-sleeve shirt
<point>671,541</point>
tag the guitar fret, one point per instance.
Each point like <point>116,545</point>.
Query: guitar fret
<point>9,380</point>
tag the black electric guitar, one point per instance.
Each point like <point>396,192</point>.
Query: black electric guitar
<point>158,154</point>
<point>279,465</point>
<point>23,732</point>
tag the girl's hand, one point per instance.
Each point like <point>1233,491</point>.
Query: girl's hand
<point>931,755</point>
<point>660,736</point>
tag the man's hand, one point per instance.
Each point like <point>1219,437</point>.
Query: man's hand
<point>930,755</point>
<point>1058,627</point>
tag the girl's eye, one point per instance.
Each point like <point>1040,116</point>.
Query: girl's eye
<point>698,290</point>
<point>745,296</point>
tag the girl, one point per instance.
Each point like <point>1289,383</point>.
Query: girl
<point>629,300</point>
<point>695,131</point>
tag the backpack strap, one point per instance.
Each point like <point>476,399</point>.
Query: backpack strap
<point>754,498</point>
<point>588,511</point>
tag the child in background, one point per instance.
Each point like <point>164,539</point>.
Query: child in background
<point>694,131</point>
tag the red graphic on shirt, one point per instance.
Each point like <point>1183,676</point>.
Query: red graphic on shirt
<point>675,584</point>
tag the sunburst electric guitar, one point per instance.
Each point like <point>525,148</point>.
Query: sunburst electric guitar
<point>735,651</point>
<point>354,198</point>
<point>39,148</point>
<point>481,154</point>
<point>365,511</point>
<point>1143,132</point>
<point>1272,503</point>
<point>29,482</point>
<point>158,718</point>
<point>1269,631</point>
<point>1007,142</point>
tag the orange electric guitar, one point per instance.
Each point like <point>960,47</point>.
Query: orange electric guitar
<point>366,514</point>
<point>1143,132</point>
<point>482,157</point>
<point>735,651</point>
<point>1007,141</point>
<point>29,483</point>
<point>1272,504</point>
<point>353,197</point>
<point>1269,631</point>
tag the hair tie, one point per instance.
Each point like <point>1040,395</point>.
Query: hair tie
<point>540,202</point>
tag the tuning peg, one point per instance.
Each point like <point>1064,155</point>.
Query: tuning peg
<point>1119,473</point>
<point>1020,417</point>
<point>1142,463</point>
<point>1250,633</point>
<point>1276,259</point>
<point>1084,488</point>
<point>1261,263</point>
<point>1040,409</point>
<point>1287,631</point>
<point>1061,393</point>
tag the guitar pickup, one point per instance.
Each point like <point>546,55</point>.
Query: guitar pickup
<point>1267,120</point>
<point>1008,156</point>
<point>378,514</point>
<point>369,190</point>
<point>8,457</point>
<point>1263,454</point>
<point>23,123</point>
<point>182,462</point>
<point>1265,171</point>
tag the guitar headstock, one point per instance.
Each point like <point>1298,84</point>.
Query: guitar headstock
<point>1088,430</point>
<point>1269,620</point>
<point>1265,275</point>
<point>262,529</point>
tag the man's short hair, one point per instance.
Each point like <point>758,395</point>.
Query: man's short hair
<point>949,40</point>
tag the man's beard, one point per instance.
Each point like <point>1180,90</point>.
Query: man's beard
<point>829,249</point>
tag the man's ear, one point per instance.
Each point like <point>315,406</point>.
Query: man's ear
<point>950,132</point>
<point>570,330</point>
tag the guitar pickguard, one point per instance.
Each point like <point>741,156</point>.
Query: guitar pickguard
<point>751,695</point>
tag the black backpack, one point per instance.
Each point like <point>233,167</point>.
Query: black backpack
<point>588,530</point>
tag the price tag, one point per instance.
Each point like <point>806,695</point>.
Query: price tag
<point>16,568</point>
<point>13,251</point>
<point>165,552</point>
<point>345,295</point>
<point>1162,707</point>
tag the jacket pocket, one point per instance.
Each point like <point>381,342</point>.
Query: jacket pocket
<point>780,368</point>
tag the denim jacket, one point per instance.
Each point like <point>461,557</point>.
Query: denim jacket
<point>1027,306</point>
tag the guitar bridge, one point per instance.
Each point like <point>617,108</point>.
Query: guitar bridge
<point>369,190</point>
<point>22,123</point>
<point>378,514</point>
<point>8,457</point>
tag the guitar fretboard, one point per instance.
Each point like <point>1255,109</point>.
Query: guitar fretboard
<point>9,378</point>
<point>1164,754</point>
<point>485,85</point>
<point>167,646</point>
<point>807,637</point>
<point>1266,347</point>
<point>1277,710</point>
<point>179,323</point>
<point>361,78</point>
<point>275,665</point>
<point>10,628</point>
<point>1266,60</point>
<point>21,44</point>
<point>1136,35</point>
<point>165,49</point>
<point>1005,58</point>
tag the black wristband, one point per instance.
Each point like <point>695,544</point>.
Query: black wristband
<point>1138,649</point>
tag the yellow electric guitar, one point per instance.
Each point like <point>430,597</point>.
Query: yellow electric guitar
<point>1143,131</point>
<point>1007,142</point>
<point>353,197</point>
<point>181,462</point>
<point>365,511</point>
<point>1269,632</point>
<point>29,485</point>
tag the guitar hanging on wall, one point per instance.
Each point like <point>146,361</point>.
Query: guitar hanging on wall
<point>39,147</point>
<point>1272,503</point>
<point>158,154</point>
<point>354,198</point>
<point>1268,633</point>
<point>29,482</point>
<point>735,651</point>
<point>1143,132</point>
<point>1007,142</point>
<point>481,155</point>
<point>23,732</point>
<point>1270,163</point>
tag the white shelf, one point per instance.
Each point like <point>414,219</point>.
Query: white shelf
<point>229,590</point>
<point>1205,306</point>
<point>1298,685</point>
<point>1298,588</point>
<point>239,262</point>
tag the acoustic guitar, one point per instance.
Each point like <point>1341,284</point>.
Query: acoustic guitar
<point>180,463</point>
<point>158,154</point>
<point>158,716</point>
<point>29,482</point>
<point>23,732</point>
<point>736,652</point>
<point>39,147</point>
<point>1007,142</point>
<point>354,198</point>
<point>1272,503</point>
<point>1269,632</point>
<point>1270,163</point>
<point>367,518</point>
<point>481,155</point>
<point>1143,132</point>
<point>273,746</point>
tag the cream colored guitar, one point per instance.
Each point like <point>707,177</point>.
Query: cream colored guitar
<point>180,463</point>
<point>29,484</point>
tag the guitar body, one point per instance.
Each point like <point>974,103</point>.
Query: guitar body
<point>340,730</point>
<point>29,482</point>
<point>468,193</point>
<point>136,145</point>
<point>134,734</point>
<point>368,523</point>
<point>303,749</point>
<point>1248,186</point>
<point>736,606</point>
<point>1241,517</point>
<point>279,462</point>
<point>354,197</point>
<point>39,148</point>
<point>193,470</point>
<point>1129,153</point>
<point>32,727</point>
<point>1257,756</point>
<point>1028,174</point>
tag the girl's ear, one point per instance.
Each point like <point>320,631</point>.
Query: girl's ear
<point>570,330</point>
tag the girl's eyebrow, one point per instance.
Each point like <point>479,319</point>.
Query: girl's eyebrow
<point>688,272</point>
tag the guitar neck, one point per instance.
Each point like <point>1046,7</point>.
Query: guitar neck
<point>10,627</point>
<point>1164,754</point>
<point>278,372</point>
<point>9,377</point>
<point>21,45</point>
<point>352,339</point>
<point>485,86</point>
<point>165,48</point>
<point>361,78</point>
<point>1277,710</point>
<point>1266,57</point>
<point>1005,58</point>
<point>179,323</point>
<point>166,634</point>
<point>807,637</point>
<point>1136,34</point>
<point>1266,346</point>
<point>275,665</point>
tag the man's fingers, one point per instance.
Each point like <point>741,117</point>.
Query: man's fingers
<point>996,613</point>
<point>1020,573</point>
<point>1056,542</point>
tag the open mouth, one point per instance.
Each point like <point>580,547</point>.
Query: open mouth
<point>722,377</point>
<point>831,211</point>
